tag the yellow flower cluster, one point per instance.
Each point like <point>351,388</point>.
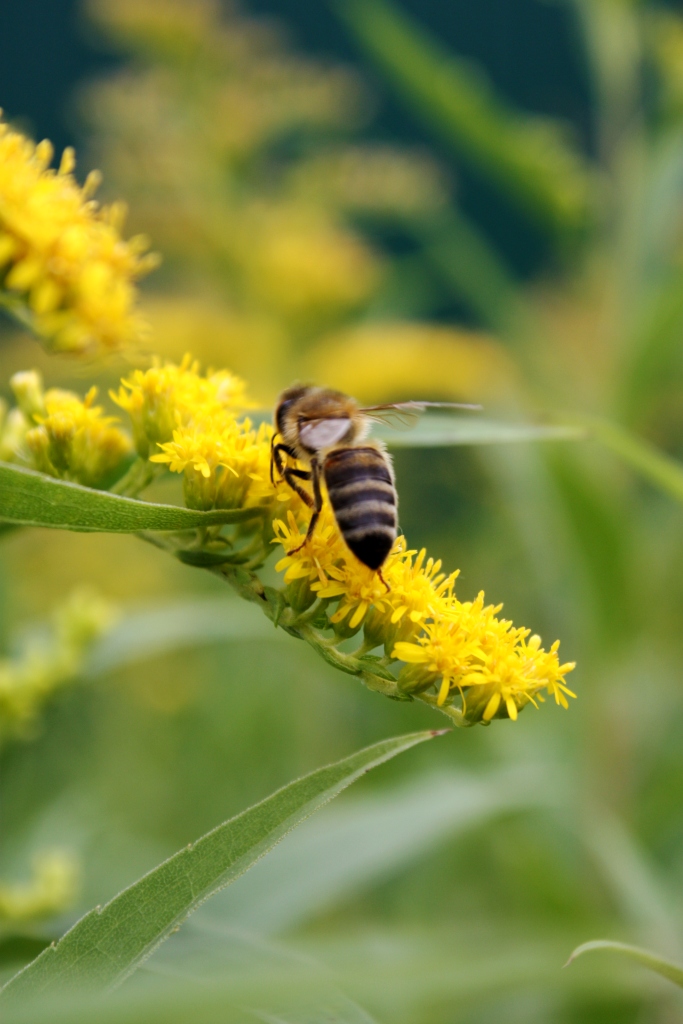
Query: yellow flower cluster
<point>167,396</point>
<point>61,434</point>
<point>459,648</point>
<point>193,419</point>
<point>64,267</point>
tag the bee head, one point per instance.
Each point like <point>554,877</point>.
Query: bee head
<point>288,398</point>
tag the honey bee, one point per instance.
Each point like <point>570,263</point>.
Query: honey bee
<point>326,430</point>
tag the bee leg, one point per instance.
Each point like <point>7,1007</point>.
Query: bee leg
<point>379,573</point>
<point>289,476</point>
<point>276,460</point>
<point>316,502</point>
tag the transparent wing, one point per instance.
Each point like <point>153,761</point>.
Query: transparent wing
<point>404,415</point>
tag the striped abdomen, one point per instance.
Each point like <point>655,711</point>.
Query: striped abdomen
<point>363,497</point>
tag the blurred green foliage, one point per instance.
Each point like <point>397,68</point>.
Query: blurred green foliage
<point>454,884</point>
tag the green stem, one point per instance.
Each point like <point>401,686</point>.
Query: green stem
<point>272,602</point>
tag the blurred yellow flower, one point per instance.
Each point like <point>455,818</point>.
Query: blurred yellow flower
<point>51,890</point>
<point>45,666</point>
<point>303,266</point>
<point>385,360</point>
<point>64,267</point>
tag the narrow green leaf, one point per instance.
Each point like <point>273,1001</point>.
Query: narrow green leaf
<point>362,840</point>
<point>528,157</point>
<point>204,953</point>
<point>438,430</point>
<point>667,969</point>
<point>109,943</point>
<point>33,499</point>
<point>655,466</point>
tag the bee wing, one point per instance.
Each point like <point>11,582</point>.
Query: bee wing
<point>404,415</point>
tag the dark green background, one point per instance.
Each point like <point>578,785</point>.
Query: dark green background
<point>528,49</point>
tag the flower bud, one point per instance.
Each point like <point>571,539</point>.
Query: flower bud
<point>38,444</point>
<point>27,386</point>
<point>343,628</point>
<point>416,678</point>
<point>13,435</point>
<point>299,594</point>
<point>484,703</point>
<point>199,490</point>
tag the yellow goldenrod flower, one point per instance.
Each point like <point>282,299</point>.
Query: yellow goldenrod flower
<point>415,590</point>
<point>358,589</point>
<point>314,562</point>
<point>221,461</point>
<point>73,438</point>
<point>468,649</point>
<point>166,396</point>
<point>64,267</point>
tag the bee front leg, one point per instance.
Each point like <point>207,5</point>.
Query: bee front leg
<point>276,459</point>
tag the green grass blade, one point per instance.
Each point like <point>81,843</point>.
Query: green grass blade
<point>667,969</point>
<point>655,466</point>
<point>435,431</point>
<point>33,499</point>
<point>108,944</point>
<point>528,157</point>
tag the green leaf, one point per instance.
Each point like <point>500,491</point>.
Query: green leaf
<point>528,157</point>
<point>439,430</point>
<point>363,840</point>
<point>667,969</point>
<point>33,499</point>
<point>204,953</point>
<point>655,466</point>
<point>109,943</point>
